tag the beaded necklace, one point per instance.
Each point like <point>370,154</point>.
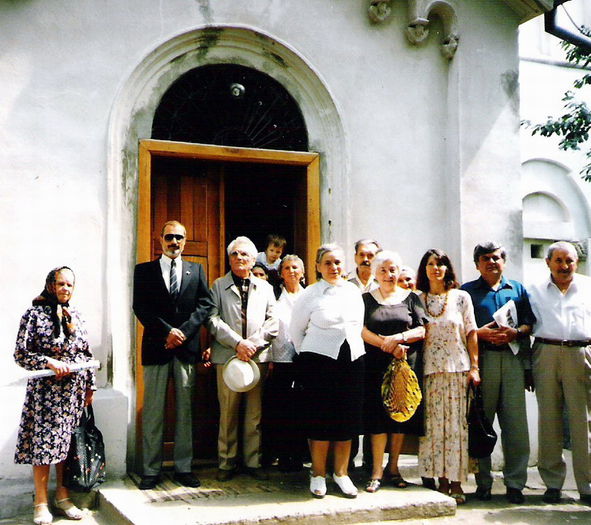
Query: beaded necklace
<point>431,314</point>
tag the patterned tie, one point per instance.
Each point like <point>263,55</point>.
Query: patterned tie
<point>174,286</point>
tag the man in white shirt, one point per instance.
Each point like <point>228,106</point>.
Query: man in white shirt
<point>362,277</point>
<point>562,369</point>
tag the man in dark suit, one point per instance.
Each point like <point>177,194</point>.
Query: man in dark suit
<point>172,300</point>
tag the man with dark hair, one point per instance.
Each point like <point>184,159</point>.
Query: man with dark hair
<point>562,369</point>
<point>362,277</point>
<point>171,299</point>
<point>505,373</point>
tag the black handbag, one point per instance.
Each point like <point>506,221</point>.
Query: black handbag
<point>84,468</point>
<point>481,434</point>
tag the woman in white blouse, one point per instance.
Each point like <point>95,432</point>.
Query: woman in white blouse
<point>450,359</point>
<point>282,435</point>
<point>325,328</point>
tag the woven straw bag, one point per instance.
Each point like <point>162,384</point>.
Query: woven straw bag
<point>400,390</point>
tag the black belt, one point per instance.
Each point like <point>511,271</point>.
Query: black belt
<point>563,342</point>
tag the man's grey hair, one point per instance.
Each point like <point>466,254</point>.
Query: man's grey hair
<point>562,245</point>
<point>361,242</point>
<point>488,247</point>
<point>249,246</point>
<point>384,256</point>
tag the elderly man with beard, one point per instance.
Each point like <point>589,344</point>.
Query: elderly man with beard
<point>243,324</point>
<point>562,369</point>
<point>505,375</point>
<point>171,300</point>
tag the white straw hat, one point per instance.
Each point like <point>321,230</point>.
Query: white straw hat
<point>240,376</point>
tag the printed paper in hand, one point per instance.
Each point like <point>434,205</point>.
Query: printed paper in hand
<point>506,316</point>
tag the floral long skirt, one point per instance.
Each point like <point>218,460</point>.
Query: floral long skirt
<point>443,451</point>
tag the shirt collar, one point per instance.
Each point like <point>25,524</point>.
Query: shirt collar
<point>481,283</point>
<point>167,260</point>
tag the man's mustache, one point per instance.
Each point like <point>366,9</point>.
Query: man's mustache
<point>365,263</point>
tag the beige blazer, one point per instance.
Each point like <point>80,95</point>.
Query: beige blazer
<point>225,323</point>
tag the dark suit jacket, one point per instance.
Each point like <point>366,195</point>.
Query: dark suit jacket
<point>156,310</point>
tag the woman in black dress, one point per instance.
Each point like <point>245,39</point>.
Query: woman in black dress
<point>394,320</point>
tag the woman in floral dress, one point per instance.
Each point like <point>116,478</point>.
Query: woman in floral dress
<point>450,355</point>
<point>52,335</point>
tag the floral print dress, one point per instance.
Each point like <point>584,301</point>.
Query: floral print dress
<point>52,407</point>
<point>443,451</point>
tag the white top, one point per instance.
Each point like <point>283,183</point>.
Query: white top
<point>165,263</point>
<point>371,285</point>
<point>262,258</point>
<point>562,316</point>
<point>445,347</point>
<point>282,349</point>
<point>324,316</point>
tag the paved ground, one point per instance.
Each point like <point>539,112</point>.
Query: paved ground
<point>241,496</point>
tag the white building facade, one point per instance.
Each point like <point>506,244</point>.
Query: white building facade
<point>412,108</point>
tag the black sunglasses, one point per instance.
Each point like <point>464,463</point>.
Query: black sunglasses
<point>176,236</point>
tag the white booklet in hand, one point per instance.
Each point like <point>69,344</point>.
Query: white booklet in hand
<point>506,316</point>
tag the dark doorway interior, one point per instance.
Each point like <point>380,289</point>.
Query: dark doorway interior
<point>260,199</point>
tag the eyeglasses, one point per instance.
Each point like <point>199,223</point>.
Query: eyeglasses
<point>237,253</point>
<point>176,236</point>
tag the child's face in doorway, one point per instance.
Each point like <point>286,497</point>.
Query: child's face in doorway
<point>273,253</point>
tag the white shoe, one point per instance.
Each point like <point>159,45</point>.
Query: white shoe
<point>346,485</point>
<point>42,516</point>
<point>318,486</point>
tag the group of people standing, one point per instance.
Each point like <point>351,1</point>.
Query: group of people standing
<point>321,352</point>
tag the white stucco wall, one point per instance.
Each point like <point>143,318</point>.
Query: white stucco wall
<point>425,154</point>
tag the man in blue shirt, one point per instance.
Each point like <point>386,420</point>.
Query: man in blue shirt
<point>505,375</point>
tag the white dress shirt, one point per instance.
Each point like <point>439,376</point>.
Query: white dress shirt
<point>324,316</point>
<point>165,263</point>
<point>562,316</point>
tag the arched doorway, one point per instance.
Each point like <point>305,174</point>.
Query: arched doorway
<point>220,191</point>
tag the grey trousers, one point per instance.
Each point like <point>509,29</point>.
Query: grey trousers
<point>229,422</point>
<point>563,375</point>
<point>503,392</point>
<point>155,383</point>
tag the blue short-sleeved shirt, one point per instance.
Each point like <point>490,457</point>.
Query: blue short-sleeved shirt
<point>487,301</point>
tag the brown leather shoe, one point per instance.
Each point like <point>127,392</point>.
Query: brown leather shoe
<point>225,475</point>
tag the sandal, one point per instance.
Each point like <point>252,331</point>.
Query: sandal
<point>41,514</point>
<point>318,486</point>
<point>398,481</point>
<point>373,485</point>
<point>460,497</point>
<point>66,508</point>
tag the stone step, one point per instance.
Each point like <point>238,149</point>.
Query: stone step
<point>283,499</point>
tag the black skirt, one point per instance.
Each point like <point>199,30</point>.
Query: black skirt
<point>331,395</point>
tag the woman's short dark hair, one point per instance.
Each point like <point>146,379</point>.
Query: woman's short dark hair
<point>442,258</point>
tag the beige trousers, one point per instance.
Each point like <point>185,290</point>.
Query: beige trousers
<point>230,421</point>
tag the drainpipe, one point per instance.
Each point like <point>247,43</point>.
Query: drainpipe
<point>578,39</point>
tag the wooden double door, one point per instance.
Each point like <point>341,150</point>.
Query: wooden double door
<point>219,193</point>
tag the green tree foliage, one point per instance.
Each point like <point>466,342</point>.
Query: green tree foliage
<point>574,125</point>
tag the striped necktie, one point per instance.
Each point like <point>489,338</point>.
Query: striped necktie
<point>174,285</point>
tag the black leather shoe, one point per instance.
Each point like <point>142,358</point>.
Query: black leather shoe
<point>552,496</point>
<point>585,499</point>
<point>148,482</point>
<point>224,475</point>
<point>483,494</point>
<point>187,479</point>
<point>514,496</point>
<point>259,474</point>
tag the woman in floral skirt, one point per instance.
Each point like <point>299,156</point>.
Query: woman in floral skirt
<point>450,358</point>
<point>52,335</point>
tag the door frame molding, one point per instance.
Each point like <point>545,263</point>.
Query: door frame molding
<point>150,148</point>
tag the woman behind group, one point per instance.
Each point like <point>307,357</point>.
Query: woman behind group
<point>283,436</point>
<point>52,335</point>
<point>450,362</point>
<point>394,318</point>
<point>326,331</point>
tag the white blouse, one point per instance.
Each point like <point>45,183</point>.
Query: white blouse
<point>282,349</point>
<point>324,316</point>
